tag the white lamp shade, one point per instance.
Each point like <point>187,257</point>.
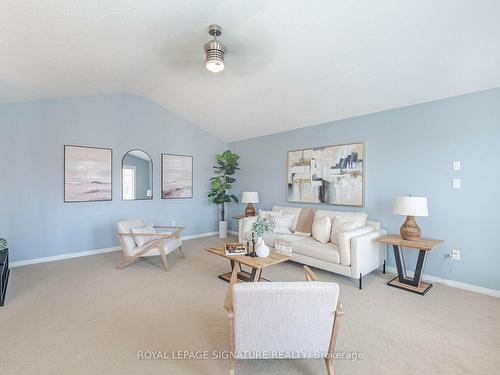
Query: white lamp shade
<point>250,197</point>
<point>411,206</point>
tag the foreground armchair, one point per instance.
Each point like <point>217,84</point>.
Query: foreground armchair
<point>135,244</point>
<point>283,319</point>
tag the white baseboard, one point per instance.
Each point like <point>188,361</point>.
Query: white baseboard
<point>54,258</point>
<point>451,283</point>
<point>194,236</point>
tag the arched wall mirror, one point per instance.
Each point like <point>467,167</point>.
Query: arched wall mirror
<point>137,176</point>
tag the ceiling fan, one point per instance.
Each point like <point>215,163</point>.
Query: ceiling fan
<point>243,56</point>
<point>214,50</point>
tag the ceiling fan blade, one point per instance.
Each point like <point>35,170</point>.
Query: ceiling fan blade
<point>183,51</point>
<point>247,56</point>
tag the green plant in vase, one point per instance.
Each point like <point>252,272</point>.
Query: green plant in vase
<point>259,227</point>
<point>227,165</point>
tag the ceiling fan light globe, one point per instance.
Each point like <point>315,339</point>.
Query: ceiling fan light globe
<point>215,66</point>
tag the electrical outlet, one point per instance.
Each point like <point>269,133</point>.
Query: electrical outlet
<point>173,223</point>
<point>457,183</point>
<point>456,165</point>
<point>455,254</point>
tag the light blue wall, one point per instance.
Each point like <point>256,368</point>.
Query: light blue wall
<point>410,151</point>
<point>34,218</point>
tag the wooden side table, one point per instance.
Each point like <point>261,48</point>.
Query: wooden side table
<point>423,245</point>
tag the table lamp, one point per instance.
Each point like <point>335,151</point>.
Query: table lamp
<point>410,207</point>
<point>250,197</point>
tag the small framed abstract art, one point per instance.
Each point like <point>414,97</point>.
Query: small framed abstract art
<point>176,176</point>
<point>327,175</point>
<point>87,174</point>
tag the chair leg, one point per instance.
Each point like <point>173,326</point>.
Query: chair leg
<point>163,257</point>
<point>360,281</point>
<point>181,252</point>
<point>126,263</point>
<point>232,370</point>
<point>329,366</point>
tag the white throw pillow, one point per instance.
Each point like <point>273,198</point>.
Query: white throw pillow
<point>340,225</point>
<point>142,240</point>
<point>282,223</point>
<point>321,228</point>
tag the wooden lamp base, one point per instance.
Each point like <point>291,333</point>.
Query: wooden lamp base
<point>410,230</point>
<point>250,210</point>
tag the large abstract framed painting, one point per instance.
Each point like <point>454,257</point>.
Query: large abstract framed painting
<point>329,175</point>
<point>176,176</point>
<point>87,174</point>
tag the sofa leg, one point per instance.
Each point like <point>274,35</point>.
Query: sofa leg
<point>383,270</point>
<point>360,281</point>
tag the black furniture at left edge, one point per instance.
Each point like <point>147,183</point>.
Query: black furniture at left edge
<point>4,275</point>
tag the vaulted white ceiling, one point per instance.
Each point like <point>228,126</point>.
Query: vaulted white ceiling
<point>289,63</point>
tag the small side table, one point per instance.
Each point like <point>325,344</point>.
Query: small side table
<point>423,245</point>
<point>4,273</point>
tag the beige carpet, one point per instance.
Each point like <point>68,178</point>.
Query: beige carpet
<point>81,316</point>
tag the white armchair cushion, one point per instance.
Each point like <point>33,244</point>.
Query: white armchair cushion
<point>170,244</point>
<point>124,227</point>
<point>344,239</point>
<point>292,317</point>
<point>142,240</point>
<point>321,228</point>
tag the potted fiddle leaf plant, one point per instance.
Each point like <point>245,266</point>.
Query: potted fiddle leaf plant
<point>221,183</point>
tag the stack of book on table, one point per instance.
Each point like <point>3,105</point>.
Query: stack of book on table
<point>235,249</point>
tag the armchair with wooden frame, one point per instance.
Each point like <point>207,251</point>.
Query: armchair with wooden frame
<point>283,319</point>
<point>161,243</point>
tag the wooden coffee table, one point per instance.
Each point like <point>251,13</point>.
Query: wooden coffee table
<point>256,264</point>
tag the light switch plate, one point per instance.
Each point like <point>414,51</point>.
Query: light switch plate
<point>456,165</point>
<point>457,183</point>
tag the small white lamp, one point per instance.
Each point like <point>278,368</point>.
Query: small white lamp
<point>250,197</point>
<point>411,207</point>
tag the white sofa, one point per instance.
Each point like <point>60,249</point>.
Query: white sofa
<point>357,254</point>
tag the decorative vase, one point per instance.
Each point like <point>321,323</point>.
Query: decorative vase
<point>261,249</point>
<point>222,229</point>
